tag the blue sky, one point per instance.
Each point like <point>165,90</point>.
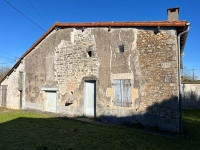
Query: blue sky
<point>18,33</point>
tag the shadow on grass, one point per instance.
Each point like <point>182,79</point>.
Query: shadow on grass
<point>36,132</point>
<point>64,133</point>
<point>40,133</point>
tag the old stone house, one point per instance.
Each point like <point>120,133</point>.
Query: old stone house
<point>117,71</point>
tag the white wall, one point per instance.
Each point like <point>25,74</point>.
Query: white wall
<point>191,96</point>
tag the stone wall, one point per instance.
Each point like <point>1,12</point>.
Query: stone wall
<point>13,94</point>
<point>159,69</point>
<point>67,58</point>
<point>149,60</point>
<point>39,68</point>
<point>113,64</point>
<point>74,60</point>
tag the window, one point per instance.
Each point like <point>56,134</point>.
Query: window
<point>89,53</point>
<point>122,92</point>
<point>121,48</point>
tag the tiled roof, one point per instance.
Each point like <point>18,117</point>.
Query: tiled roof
<point>123,24</point>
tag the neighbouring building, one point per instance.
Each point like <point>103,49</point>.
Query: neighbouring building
<point>191,95</point>
<point>117,71</point>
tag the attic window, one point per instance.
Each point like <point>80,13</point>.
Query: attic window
<point>121,48</point>
<point>89,53</point>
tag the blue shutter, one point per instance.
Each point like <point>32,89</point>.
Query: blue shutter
<point>126,88</point>
<point>117,92</point>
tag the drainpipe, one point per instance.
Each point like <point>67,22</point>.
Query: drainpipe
<point>179,78</point>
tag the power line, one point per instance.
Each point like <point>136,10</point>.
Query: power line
<point>6,58</point>
<point>195,69</point>
<point>24,15</point>
<point>38,12</point>
<point>8,53</point>
<point>7,63</point>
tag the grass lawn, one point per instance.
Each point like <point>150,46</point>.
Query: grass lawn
<point>29,130</point>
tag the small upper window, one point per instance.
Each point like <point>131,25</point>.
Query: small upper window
<point>89,53</point>
<point>121,48</point>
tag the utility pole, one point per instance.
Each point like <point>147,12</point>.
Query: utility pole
<point>193,74</point>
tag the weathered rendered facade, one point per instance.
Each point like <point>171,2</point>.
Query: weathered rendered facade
<point>119,72</point>
<point>191,95</point>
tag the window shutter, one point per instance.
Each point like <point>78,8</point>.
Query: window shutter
<point>4,94</point>
<point>126,86</point>
<point>117,92</point>
<point>20,81</point>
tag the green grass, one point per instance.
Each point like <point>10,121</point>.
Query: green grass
<point>29,130</point>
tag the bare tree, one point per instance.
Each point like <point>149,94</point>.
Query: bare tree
<point>188,75</point>
<point>3,71</point>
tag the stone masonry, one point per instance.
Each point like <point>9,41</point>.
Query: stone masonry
<point>68,57</point>
<point>158,65</point>
<point>13,94</point>
<point>72,61</point>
